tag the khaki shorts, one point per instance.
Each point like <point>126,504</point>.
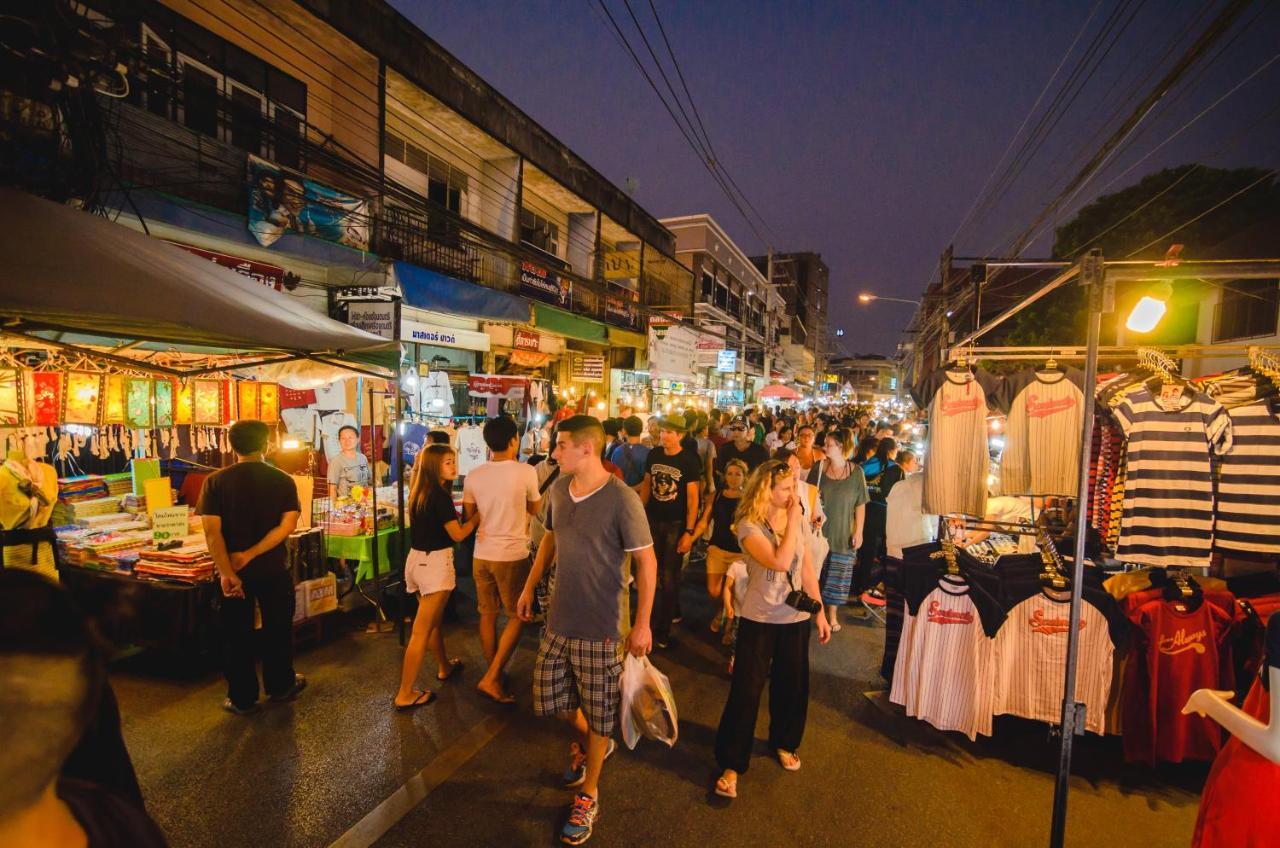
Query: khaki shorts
<point>719,560</point>
<point>499,584</point>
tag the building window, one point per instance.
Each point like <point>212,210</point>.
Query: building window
<point>209,85</point>
<point>538,232</point>
<point>708,287</point>
<point>1248,309</point>
<point>446,185</point>
<point>734,307</point>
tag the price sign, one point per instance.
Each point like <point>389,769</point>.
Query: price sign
<point>169,523</point>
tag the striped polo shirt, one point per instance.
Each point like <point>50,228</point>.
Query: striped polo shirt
<point>1249,487</point>
<point>1169,495</point>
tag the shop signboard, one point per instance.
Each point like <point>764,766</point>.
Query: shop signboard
<point>378,318</point>
<point>271,276</point>
<point>622,264</point>
<point>497,386</point>
<point>423,332</point>
<point>727,361</point>
<point>587,369</point>
<point>709,346</point>
<point>281,200</point>
<point>672,351</point>
<point>526,340</point>
<point>622,305</point>
<point>544,284</point>
<point>728,397</point>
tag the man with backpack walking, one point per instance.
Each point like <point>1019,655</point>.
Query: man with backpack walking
<point>631,455</point>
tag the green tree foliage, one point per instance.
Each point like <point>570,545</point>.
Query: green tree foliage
<point>1131,220</point>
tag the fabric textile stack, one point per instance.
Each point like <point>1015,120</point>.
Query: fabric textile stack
<point>190,563</point>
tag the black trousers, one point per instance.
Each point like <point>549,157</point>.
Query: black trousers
<point>893,615</point>
<point>867,571</point>
<point>666,535</point>
<point>780,653</point>
<point>271,586</point>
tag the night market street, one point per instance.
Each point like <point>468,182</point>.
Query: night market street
<point>339,767</point>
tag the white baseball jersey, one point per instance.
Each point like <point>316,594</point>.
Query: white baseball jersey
<point>943,671</point>
<point>1031,660</point>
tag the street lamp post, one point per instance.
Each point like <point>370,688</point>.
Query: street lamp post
<point>867,297</point>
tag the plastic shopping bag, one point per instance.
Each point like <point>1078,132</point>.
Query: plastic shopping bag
<point>648,707</point>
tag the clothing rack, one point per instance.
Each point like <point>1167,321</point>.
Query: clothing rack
<point>964,355</point>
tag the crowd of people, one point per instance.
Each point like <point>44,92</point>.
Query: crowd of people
<point>589,536</point>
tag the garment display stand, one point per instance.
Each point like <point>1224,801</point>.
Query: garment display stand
<point>1098,277</point>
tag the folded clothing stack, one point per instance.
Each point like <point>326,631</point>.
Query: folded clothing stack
<point>190,563</point>
<point>86,487</point>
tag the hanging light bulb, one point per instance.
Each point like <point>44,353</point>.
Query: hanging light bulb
<point>1148,311</point>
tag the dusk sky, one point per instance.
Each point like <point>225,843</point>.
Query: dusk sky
<point>865,130</point>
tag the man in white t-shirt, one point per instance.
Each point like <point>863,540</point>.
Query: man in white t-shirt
<point>907,523</point>
<point>504,492</point>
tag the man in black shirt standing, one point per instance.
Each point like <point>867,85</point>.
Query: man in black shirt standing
<point>741,447</point>
<point>670,494</point>
<point>248,511</point>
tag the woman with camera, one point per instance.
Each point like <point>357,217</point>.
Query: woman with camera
<point>773,630</point>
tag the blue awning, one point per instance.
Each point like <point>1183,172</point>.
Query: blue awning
<point>432,290</point>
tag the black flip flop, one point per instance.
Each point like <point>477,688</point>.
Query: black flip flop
<point>421,701</point>
<point>508,701</point>
<point>455,666</point>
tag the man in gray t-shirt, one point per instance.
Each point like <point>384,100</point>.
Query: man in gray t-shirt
<point>593,520</point>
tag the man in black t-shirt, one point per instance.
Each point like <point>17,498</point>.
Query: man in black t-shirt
<point>670,494</point>
<point>248,511</point>
<point>741,447</point>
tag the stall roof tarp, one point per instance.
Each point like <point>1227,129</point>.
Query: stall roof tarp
<point>427,289</point>
<point>71,271</point>
<point>569,325</point>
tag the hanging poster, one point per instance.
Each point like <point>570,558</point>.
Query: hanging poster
<point>269,403</point>
<point>164,403</point>
<point>139,408</point>
<point>544,284</point>
<point>497,386</point>
<point>184,404</point>
<point>709,346</point>
<point>672,351</point>
<point>113,404</point>
<point>622,305</point>
<point>80,400</point>
<point>281,200</point>
<point>12,398</point>
<point>246,400</point>
<point>206,402</point>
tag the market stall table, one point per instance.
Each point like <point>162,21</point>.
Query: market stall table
<point>359,549</point>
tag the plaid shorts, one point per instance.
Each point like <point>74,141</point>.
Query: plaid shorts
<point>571,673</point>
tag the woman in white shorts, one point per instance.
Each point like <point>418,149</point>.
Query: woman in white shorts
<point>428,570</point>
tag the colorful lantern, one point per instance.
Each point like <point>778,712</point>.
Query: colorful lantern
<point>139,402</point>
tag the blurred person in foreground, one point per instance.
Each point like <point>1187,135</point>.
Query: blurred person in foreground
<point>52,676</point>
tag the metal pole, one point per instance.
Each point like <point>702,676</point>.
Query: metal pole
<point>1092,272</point>
<point>373,489</point>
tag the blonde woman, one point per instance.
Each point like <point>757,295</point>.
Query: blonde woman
<point>773,636</point>
<point>428,570</point>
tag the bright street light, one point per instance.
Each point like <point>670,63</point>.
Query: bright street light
<point>1148,311</point>
<point>867,297</point>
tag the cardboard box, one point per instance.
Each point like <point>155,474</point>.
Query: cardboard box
<point>321,595</point>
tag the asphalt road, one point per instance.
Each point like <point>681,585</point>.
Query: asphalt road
<point>339,766</point>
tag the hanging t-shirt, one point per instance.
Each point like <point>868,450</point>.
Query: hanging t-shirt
<point>331,426</point>
<point>435,395</point>
<point>943,672</point>
<point>1042,437</point>
<point>472,451</point>
<point>1177,651</point>
<point>1031,654</point>
<point>955,472</point>
<point>1248,517</point>
<point>1168,496</point>
<point>669,479</point>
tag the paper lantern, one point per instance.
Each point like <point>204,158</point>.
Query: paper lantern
<point>139,402</point>
<point>113,400</point>
<point>247,400</point>
<point>228,402</point>
<point>184,404</point>
<point>80,398</point>
<point>163,402</point>
<point>47,398</point>
<point>269,402</point>
<point>13,398</point>
<point>207,405</point>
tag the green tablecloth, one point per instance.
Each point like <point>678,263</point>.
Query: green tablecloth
<point>360,549</point>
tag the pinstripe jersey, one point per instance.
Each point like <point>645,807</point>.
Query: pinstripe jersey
<point>955,469</point>
<point>1031,655</point>
<point>1042,439</point>
<point>1248,516</point>
<point>1168,495</point>
<point>943,672</point>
